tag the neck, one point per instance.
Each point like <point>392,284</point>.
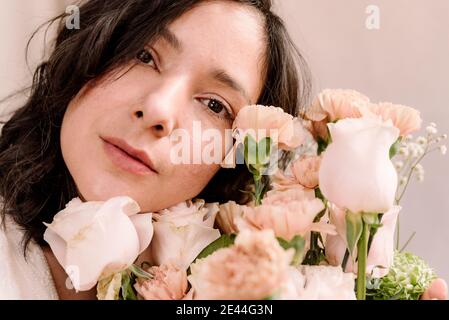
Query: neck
<point>60,279</point>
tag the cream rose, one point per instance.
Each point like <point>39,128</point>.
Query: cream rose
<point>319,283</point>
<point>182,232</point>
<point>93,240</point>
<point>356,172</point>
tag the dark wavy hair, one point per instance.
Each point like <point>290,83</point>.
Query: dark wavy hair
<point>34,181</point>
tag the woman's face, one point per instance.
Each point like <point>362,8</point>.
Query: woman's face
<point>200,72</point>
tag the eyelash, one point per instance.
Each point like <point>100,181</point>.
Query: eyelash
<point>227,116</point>
<point>144,53</point>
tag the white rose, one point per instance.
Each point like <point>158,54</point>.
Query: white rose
<point>92,240</point>
<point>182,232</point>
<point>319,283</point>
<point>356,172</point>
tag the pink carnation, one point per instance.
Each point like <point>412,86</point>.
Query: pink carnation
<point>406,119</point>
<point>169,282</point>
<point>252,269</point>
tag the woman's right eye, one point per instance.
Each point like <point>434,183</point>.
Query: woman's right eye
<point>146,57</point>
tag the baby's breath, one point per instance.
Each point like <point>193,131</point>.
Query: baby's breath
<point>411,152</point>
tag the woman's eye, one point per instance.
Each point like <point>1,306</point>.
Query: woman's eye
<point>218,108</point>
<point>146,57</point>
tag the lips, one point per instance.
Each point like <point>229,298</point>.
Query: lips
<point>128,157</point>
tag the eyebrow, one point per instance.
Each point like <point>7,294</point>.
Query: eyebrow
<point>171,39</point>
<point>219,75</point>
<point>222,76</point>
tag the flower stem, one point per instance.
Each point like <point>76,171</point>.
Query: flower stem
<point>397,234</point>
<point>408,241</point>
<point>362,252</point>
<point>259,189</point>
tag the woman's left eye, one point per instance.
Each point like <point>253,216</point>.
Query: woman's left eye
<point>146,57</point>
<point>218,108</point>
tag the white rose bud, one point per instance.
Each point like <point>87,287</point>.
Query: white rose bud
<point>356,172</point>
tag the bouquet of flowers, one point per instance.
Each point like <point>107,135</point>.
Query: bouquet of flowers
<point>324,208</point>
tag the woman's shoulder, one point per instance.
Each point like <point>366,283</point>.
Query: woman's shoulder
<point>22,277</point>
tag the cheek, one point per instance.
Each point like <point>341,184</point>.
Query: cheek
<point>73,133</point>
<point>79,137</point>
<point>210,143</point>
<point>72,130</point>
<point>193,177</point>
<point>184,183</point>
<point>205,172</point>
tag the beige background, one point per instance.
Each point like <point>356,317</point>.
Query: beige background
<point>406,61</point>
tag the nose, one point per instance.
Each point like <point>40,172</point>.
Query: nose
<point>160,109</point>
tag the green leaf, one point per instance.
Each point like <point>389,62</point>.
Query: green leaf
<point>139,272</point>
<point>273,296</point>
<point>314,257</point>
<point>319,194</point>
<point>250,151</point>
<point>322,145</point>
<point>354,228</point>
<point>254,170</point>
<point>283,243</point>
<point>376,226</point>
<point>257,155</point>
<point>298,243</point>
<point>109,288</point>
<point>224,241</point>
<point>263,151</point>
<point>394,149</point>
<point>371,219</point>
<point>316,254</point>
<point>127,287</point>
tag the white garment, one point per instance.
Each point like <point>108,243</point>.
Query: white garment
<point>22,279</point>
